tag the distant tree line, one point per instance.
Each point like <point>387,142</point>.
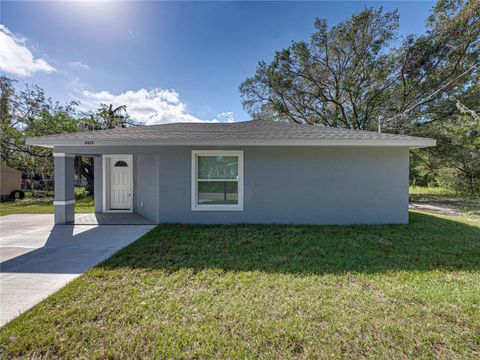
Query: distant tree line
<point>29,112</point>
<point>359,74</point>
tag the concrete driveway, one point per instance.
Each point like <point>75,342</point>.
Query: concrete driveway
<point>38,258</point>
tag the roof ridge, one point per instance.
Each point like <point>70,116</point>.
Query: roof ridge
<point>258,131</point>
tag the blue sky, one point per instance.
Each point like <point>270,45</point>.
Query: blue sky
<point>167,61</point>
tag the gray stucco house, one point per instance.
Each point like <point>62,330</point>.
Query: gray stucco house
<point>247,172</point>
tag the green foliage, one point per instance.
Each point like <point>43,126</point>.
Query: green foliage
<point>29,113</point>
<point>108,117</point>
<point>350,76</point>
<point>418,191</point>
<point>337,79</point>
<point>455,161</point>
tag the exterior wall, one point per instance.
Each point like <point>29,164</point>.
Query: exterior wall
<point>98,184</point>
<point>303,185</point>
<point>146,185</point>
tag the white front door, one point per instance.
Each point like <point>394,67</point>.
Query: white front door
<point>120,186</point>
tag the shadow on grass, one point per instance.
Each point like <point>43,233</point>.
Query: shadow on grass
<point>427,243</point>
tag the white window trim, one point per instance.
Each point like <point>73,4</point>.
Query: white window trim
<point>229,207</point>
<point>106,159</point>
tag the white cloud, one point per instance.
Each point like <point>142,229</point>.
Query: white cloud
<point>226,117</point>
<point>16,58</point>
<point>155,106</point>
<point>79,65</point>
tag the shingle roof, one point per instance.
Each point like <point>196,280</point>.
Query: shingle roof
<point>255,132</point>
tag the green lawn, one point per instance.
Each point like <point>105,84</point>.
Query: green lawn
<point>38,206</point>
<point>33,205</point>
<point>252,291</point>
<point>433,191</point>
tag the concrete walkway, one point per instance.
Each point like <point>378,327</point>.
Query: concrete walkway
<point>38,258</point>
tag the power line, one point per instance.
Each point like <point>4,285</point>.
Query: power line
<point>428,97</point>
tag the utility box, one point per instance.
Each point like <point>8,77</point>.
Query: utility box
<point>10,183</point>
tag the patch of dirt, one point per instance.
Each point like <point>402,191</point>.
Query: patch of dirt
<point>435,207</point>
<point>446,206</point>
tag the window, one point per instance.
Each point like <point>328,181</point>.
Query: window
<point>217,180</point>
<point>121,163</point>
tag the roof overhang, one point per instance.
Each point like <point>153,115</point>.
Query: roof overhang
<point>410,143</point>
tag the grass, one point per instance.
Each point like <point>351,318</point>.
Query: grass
<point>438,191</point>
<point>42,206</point>
<point>252,291</point>
<point>32,205</point>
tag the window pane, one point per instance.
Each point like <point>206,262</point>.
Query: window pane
<point>217,192</point>
<point>218,167</point>
<point>121,163</point>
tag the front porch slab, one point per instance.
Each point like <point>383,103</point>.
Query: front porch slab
<point>111,219</point>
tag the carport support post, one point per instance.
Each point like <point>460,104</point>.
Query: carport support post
<point>64,201</point>
<point>98,184</point>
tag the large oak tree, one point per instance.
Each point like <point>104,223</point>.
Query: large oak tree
<point>360,73</point>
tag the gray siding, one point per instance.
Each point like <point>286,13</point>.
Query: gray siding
<point>303,185</point>
<point>64,189</point>
<point>146,185</point>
